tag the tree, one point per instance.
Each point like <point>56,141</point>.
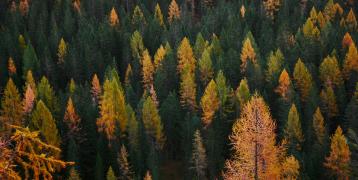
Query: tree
<point>74,174</point>
<point>61,51</point>
<point>147,70</point>
<point>310,30</point>
<point>137,45</point>
<point>30,60</point>
<point>147,176</point>
<point>293,130</point>
<point>330,73</point>
<point>350,21</point>
<point>72,86</point>
<point>254,144</point>
<point>96,88</point>
<point>198,157</point>
<point>46,93</point>
<point>284,87</point>
<point>112,110</point>
<point>318,126</point>
<point>209,103</point>
<point>247,54</point>
<point>30,81</point>
<point>347,40</point>
<point>11,67</point>
<point>188,89</point>
<point>158,15</point>
<point>152,122</point>
<point>11,107</point>
<point>138,17</point>
<point>113,18</point>
<point>200,45</point>
<point>42,120</point>
<point>24,7</point>
<point>28,101</point>
<point>185,56</point>
<point>124,167</point>
<point>159,56</point>
<point>290,168</point>
<point>275,63</point>
<point>350,61</point>
<point>205,66</point>
<point>303,79</point>
<point>328,102</point>
<point>271,7</point>
<point>243,93</point>
<point>339,157</point>
<point>173,11</point>
<point>110,174</point>
<point>71,117</point>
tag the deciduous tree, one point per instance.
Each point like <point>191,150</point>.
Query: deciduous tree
<point>293,130</point>
<point>173,11</point>
<point>198,157</point>
<point>113,18</point>
<point>303,79</point>
<point>209,103</point>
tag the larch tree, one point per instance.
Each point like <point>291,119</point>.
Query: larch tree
<point>96,90</point>
<point>242,11</point>
<point>350,61</point>
<point>147,176</point>
<point>113,18</point>
<point>247,54</point>
<point>243,93</point>
<point>328,102</point>
<point>188,90</point>
<point>42,120</point>
<point>137,46</point>
<point>185,56</point>
<point>24,7</point>
<point>271,7</point>
<point>310,30</point>
<point>200,45</point>
<point>11,107</point>
<point>205,66</point>
<point>61,51</point>
<point>293,130</point>
<point>128,76</point>
<point>11,67</point>
<point>147,69</point>
<point>330,73</point>
<point>290,168</point>
<point>254,144</point>
<point>158,15</point>
<point>152,122</point>
<point>159,56</point>
<point>74,175</point>
<point>173,11</point>
<point>110,174</point>
<point>71,117</point>
<point>338,160</point>
<point>138,17</point>
<point>351,22</point>
<point>347,40</point>
<point>124,166</point>
<point>30,81</point>
<point>209,103</point>
<point>318,126</point>
<point>198,157</point>
<point>71,86</point>
<point>303,79</point>
<point>284,88</point>
<point>275,64</point>
<point>46,93</point>
<point>28,101</point>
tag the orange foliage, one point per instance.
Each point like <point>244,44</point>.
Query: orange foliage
<point>11,66</point>
<point>284,84</point>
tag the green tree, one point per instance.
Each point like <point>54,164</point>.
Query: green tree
<point>30,61</point>
<point>46,93</point>
<point>293,130</point>
<point>303,79</point>
<point>110,174</point>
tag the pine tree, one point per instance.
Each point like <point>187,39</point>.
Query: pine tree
<point>318,126</point>
<point>11,67</point>
<point>254,144</point>
<point>42,120</point>
<point>96,90</point>
<point>28,101</point>
<point>124,167</point>
<point>159,56</point>
<point>328,102</point>
<point>62,51</point>
<point>205,66</point>
<point>290,168</point>
<point>46,93</point>
<point>152,122</point>
<point>339,157</point>
<point>330,73</point>
<point>243,93</point>
<point>11,109</point>
<point>198,158</point>
<point>133,130</point>
<point>303,79</point>
<point>284,87</point>
<point>247,54</point>
<point>71,117</point>
<point>293,130</point>
<point>147,69</point>
<point>110,174</point>
<point>158,15</point>
<point>113,18</point>
<point>209,103</point>
<point>350,61</point>
<point>173,11</point>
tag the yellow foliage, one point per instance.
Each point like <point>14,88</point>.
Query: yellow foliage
<point>329,104</point>
<point>290,168</point>
<point>159,15</point>
<point>159,56</point>
<point>147,69</point>
<point>209,103</point>
<point>247,54</point>
<point>113,18</point>
<point>174,11</point>
<point>318,125</point>
<point>96,88</point>
<point>303,79</point>
<point>329,72</point>
<point>283,84</point>
<point>350,61</point>
<point>186,57</point>
<point>62,51</point>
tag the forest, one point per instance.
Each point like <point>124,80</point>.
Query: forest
<point>178,89</point>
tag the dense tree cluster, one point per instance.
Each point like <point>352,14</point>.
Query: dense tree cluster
<point>166,89</point>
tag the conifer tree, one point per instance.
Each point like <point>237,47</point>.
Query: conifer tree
<point>284,85</point>
<point>205,66</point>
<point>96,88</point>
<point>318,126</point>
<point>147,69</point>
<point>113,18</point>
<point>42,120</point>
<point>128,75</point>
<point>188,89</point>
<point>61,51</point>
<point>247,54</point>
<point>209,103</point>
<point>293,130</point>
<point>173,11</point>
<point>147,176</point>
<point>290,168</point>
<point>11,67</point>
<point>24,7</point>
<point>351,21</point>
<point>185,56</point>
<point>74,174</point>
<point>330,73</point>
<point>30,81</point>
<point>198,158</point>
<point>46,93</point>
<point>303,79</point>
<point>30,60</point>
<point>243,93</point>
<point>159,56</point>
<point>124,167</point>
<point>28,101</point>
<point>110,174</point>
<point>138,17</point>
<point>310,30</point>
<point>274,66</point>
<point>158,15</point>
<point>350,61</point>
<point>328,102</point>
<point>137,46</point>
<point>339,157</point>
<point>11,107</point>
<point>71,117</point>
<point>242,11</point>
<point>271,7</point>
<point>254,144</point>
<point>152,122</point>
<point>200,45</point>
<point>347,40</point>
<point>133,131</point>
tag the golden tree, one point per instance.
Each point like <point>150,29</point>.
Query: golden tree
<point>28,101</point>
<point>30,81</point>
<point>126,172</point>
<point>209,103</point>
<point>7,166</point>
<point>350,61</point>
<point>328,102</point>
<point>11,67</point>
<point>61,51</point>
<point>188,89</point>
<point>158,15</point>
<point>186,56</point>
<point>290,168</point>
<point>96,90</point>
<point>147,176</point>
<point>205,66</point>
<point>303,79</point>
<point>284,85</point>
<point>71,118</point>
<point>339,157</point>
<point>293,130</point>
<point>128,75</point>
<point>271,7</point>
<point>147,69</point>
<point>254,144</point>
<point>347,40</point>
<point>159,56</point>
<point>113,18</point>
<point>310,30</point>
<point>247,54</point>
<point>242,11</point>
<point>351,22</point>
<point>243,92</point>
<point>329,72</point>
<point>24,7</point>
<point>173,11</point>
<point>318,126</point>
<point>11,106</point>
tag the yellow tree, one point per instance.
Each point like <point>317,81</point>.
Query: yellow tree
<point>158,15</point>
<point>138,17</point>
<point>290,168</point>
<point>318,126</point>
<point>113,18</point>
<point>310,30</point>
<point>205,66</point>
<point>303,79</point>
<point>247,54</point>
<point>11,106</point>
<point>256,155</point>
<point>243,93</point>
<point>339,157</point>
<point>271,7</point>
<point>185,56</point>
<point>71,118</point>
<point>159,56</point>
<point>350,61</point>
<point>347,40</point>
<point>173,11</point>
<point>28,101</point>
<point>61,51</point>
<point>351,22</point>
<point>96,88</point>
<point>330,73</point>
<point>328,102</point>
<point>293,130</point>
<point>284,85</point>
<point>209,103</point>
<point>188,89</point>
<point>11,67</point>
<point>147,69</point>
<point>30,81</point>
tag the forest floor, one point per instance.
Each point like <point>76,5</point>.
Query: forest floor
<point>172,170</point>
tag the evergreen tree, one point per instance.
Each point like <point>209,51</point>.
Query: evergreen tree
<point>30,61</point>
<point>205,66</point>
<point>243,93</point>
